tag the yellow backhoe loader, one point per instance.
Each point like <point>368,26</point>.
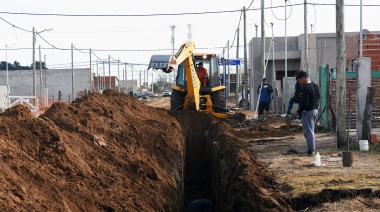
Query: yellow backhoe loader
<point>188,93</point>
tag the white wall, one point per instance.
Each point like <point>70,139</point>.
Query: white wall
<point>21,82</point>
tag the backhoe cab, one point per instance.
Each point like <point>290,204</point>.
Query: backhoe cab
<point>188,92</point>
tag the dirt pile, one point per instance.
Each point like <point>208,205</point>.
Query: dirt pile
<point>110,152</point>
<point>101,153</point>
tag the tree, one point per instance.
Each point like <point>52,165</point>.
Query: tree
<point>11,67</point>
<point>38,65</point>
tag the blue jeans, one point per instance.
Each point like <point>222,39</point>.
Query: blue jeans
<point>292,101</point>
<point>308,126</point>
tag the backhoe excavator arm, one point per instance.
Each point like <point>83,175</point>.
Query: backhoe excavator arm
<point>169,63</point>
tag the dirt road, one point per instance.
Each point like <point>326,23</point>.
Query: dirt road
<point>159,102</point>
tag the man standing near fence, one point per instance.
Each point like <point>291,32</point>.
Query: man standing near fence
<point>309,109</point>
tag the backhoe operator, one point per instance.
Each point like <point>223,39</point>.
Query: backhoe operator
<point>202,74</point>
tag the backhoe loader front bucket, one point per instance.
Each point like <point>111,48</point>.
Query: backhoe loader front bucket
<point>166,63</point>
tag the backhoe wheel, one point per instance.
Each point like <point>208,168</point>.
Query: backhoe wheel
<point>219,99</point>
<point>176,100</point>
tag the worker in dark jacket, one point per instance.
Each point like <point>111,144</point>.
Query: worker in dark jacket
<point>309,109</point>
<point>265,96</point>
<point>296,99</point>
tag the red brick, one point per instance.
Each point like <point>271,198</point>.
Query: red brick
<point>373,138</point>
<point>370,36</point>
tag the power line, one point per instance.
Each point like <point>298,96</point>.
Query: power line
<point>118,15</point>
<point>167,14</point>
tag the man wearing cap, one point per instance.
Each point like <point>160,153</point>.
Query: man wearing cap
<point>309,109</point>
<point>264,90</point>
<point>202,74</point>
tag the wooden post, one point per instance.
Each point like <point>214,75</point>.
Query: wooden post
<point>340,73</point>
<point>328,101</point>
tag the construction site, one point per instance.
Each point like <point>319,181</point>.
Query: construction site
<point>111,152</point>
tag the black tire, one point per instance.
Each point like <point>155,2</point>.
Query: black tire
<point>176,100</point>
<point>219,99</point>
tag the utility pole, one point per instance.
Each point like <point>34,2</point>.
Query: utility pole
<point>109,72</point>
<point>173,44</point>
<point>273,64</point>
<point>145,78</point>
<point>45,71</point>
<point>91,80</point>
<point>228,71</point>
<point>123,80</point>
<point>306,65</point>
<point>118,74</point>
<point>41,81</point>
<point>189,34</point>
<point>262,39</point>
<point>140,79</point>
<point>256,26</point>
<point>6,62</point>
<point>274,103</point>
<point>237,89</point>
<point>72,72</point>
<point>97,76</point>
<point>286,44</point>
<point>104,78</point>
<point>152,83</point>
<point>133,83</point>
<point>340,74</point>
<point>361,29</point>
<point>245,60</point>
<point>126,78</point>
<point>34,63</point>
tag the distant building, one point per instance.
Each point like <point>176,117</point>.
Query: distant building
<point>105,82</point>
<point>322,51</point>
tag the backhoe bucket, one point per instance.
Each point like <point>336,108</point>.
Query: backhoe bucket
<point>166,63</point>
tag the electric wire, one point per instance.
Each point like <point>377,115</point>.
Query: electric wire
<point>162,14</point>
<point>118,15</point>
<point>286,18</point>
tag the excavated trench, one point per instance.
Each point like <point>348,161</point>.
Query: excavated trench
<point>219,169</point>
<point>197,180</point>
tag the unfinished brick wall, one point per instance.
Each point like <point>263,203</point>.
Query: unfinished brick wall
<point>371,49</point>
<point>351,84</point>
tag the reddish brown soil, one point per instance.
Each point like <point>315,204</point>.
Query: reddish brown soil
<point>110,152</point>
<point>101,153</point>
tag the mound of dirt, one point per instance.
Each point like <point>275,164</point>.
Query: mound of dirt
<point>101,153</point>
<point>110,152</point>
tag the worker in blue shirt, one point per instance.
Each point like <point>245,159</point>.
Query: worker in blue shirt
<point>265,96</point>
